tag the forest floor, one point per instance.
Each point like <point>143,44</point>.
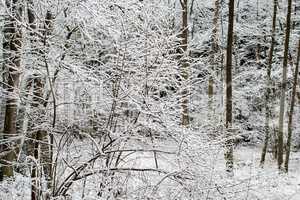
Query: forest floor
<point>250,181</point>
<point>267,183</point>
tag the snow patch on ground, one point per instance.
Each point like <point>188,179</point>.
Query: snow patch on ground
<point>250,181</point>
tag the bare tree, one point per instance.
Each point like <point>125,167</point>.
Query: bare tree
<point>185,65</point>
<point>283,85</point>
<point>39,148</point>
<point>214,53</point>
<point>290,122</point>
<point>12,46</point>
<point>269,85</point>
<point>228,120</point>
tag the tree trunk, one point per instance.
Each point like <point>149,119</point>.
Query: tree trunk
<point>283,86</point>
<point>228,120</point>
<point>214,55</point>
<point>40,143</point>
<point>12,46</point>
<point>290,122</point>
<point>40,149</point>
<point>184,65</point>
<point>269,85</point>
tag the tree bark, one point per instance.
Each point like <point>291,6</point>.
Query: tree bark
<point>228,103</point>
<point>40,149</point>
<point>184,65</point>
<point>215,50</point>
<point>12,46</point>
<point>269,85</point>
<point>40,143</point>
<point>290,122</point>
<point>283,86</point>
<point>34,147</point>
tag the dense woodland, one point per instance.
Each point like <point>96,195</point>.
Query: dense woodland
<point>149,99</point>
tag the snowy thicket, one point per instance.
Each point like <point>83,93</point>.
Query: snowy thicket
<point>103,80</point>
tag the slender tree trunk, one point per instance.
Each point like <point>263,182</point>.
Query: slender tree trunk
<point>47,147</point>
<point>33,147</point>
<point>295,15</point>
<point>40,147</point>
<point>191,14</point>
<point>228,120</point>
<point>12,46</point>
<point>290,122</point>
<point>283,86</point>
<point>185,65</point>
<point>215,50</point>
<point>269,85</point>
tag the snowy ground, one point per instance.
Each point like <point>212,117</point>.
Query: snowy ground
<point>249,182</point>
<point>267,183</point>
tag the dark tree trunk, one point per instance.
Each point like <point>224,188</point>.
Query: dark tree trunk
<point>12,46</point>
<point>214,55</point>
<point>228,103</point>
<point>40,149</point>
<point>184,65</point>
<point>290,122</point>
<point>269,85</point>
<point>283,85</point>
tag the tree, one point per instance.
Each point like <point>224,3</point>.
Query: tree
<point>228,103</point>
<point>283,85</point>
<point>214,53</point>
<point>290,122</point>
<point>12,46</point>
<point>39,148</point>
<point>269,84</point>
<point>185,65</point>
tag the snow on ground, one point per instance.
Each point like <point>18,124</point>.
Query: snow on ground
<point>249,182</point>
<point>267,183</point>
